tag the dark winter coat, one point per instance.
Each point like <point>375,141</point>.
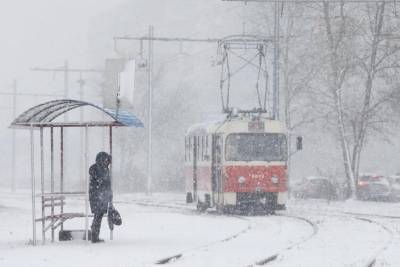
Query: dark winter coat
<point>100,193</point>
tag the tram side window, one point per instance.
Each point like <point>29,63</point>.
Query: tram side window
<point>202,148</point>
<point>199,148</point>
<point>206,155</point>
<point>190,148</point>
<point>185,149</point>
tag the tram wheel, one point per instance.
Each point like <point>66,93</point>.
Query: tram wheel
<point>202,207</point>
<point>189,197</point>
<point>271,204</point>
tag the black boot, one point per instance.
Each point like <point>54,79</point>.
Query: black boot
<point>96,228</point>
<point>95,236</point>
<point>97,240</point>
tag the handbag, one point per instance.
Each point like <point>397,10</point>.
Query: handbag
<point>113,216</point>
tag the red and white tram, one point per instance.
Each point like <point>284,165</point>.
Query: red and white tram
<point>238,163</point>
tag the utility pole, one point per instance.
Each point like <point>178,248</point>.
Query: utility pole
<point>276,62</point>
<point>150,111</point>
<point>14,113</point>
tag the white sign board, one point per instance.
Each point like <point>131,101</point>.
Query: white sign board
<point>127,83</point>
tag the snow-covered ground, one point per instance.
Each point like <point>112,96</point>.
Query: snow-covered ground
<point>309,233</point>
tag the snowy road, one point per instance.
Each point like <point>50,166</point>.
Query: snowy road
<point>309,233</point>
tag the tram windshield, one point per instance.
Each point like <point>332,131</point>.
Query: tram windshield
<point>255,147</point>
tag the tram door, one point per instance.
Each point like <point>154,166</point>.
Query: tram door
<point>195,154</point>
<point>216,168</point>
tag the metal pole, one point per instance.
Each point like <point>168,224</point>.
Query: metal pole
<point>42,184</point>
<point>62,170</point>
<point>13,182</point>
<point>111,152</point>
<point>111,171</point>
<point>87,186</point>
<point>33,188</point>
<point>150,85</point>
<point>276,62</point>
<point>66,92</point>
<point>52,180</point>
<point>81,130</point>
<point>66,87</point>
<point>103,129</point>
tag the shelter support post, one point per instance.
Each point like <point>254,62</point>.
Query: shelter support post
<point>87,186</point>
<point>33,187</point>
<point>111,170</point>
<point>62,170</point>
<point>52,180</point>
<point>42,184</point>
<point>110,150</point>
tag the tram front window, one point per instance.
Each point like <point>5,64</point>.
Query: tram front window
<point>255,147</point>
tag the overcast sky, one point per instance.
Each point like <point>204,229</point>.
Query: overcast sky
<point>44,33</point>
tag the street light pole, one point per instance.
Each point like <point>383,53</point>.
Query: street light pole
<point>13,182</point>
<point>150,110</point>
<point>276,62</point>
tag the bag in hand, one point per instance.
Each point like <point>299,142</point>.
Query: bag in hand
<point>113,216</point>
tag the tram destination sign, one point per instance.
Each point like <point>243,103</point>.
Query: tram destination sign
<point>256,126</point>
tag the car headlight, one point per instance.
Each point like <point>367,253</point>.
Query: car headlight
<point>241,180</point>
<point>274,179</point>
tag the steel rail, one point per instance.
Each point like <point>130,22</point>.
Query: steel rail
<point>361,217</point>
<point>274,256</point>
<point>270,258</point>
<point>186,208</point>
<point>314,1</point>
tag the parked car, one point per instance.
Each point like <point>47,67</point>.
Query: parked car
<point>372,187</point>
<point>394,182</point>
<point>315,187</point>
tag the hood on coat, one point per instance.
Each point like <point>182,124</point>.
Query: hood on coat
<point>103,159</point>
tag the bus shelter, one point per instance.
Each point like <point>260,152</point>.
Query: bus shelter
<point>42,117</point>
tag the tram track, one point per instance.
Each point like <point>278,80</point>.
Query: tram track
<point>365,217</point>
<point>372,260</point>
<point>274,256</point>
<point>305,217</point>
<point>187,210</point>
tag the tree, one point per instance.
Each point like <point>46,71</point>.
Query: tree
<point>339,64</point>
<point>361,61</point>
<point>298,71</point>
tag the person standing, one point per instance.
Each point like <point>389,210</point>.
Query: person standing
<point>100,193</point>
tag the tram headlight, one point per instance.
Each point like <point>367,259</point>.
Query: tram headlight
<point>241,180</point>
<point>274,179</point>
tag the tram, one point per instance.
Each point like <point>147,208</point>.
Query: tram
<point>238,163</point>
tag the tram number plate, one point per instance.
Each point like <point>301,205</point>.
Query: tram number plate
<point>256,126</point>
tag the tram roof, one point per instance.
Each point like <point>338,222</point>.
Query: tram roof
<point>233,124</point>
<point>43,115</point>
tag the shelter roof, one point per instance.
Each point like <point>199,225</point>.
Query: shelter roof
<point>43,115</point>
